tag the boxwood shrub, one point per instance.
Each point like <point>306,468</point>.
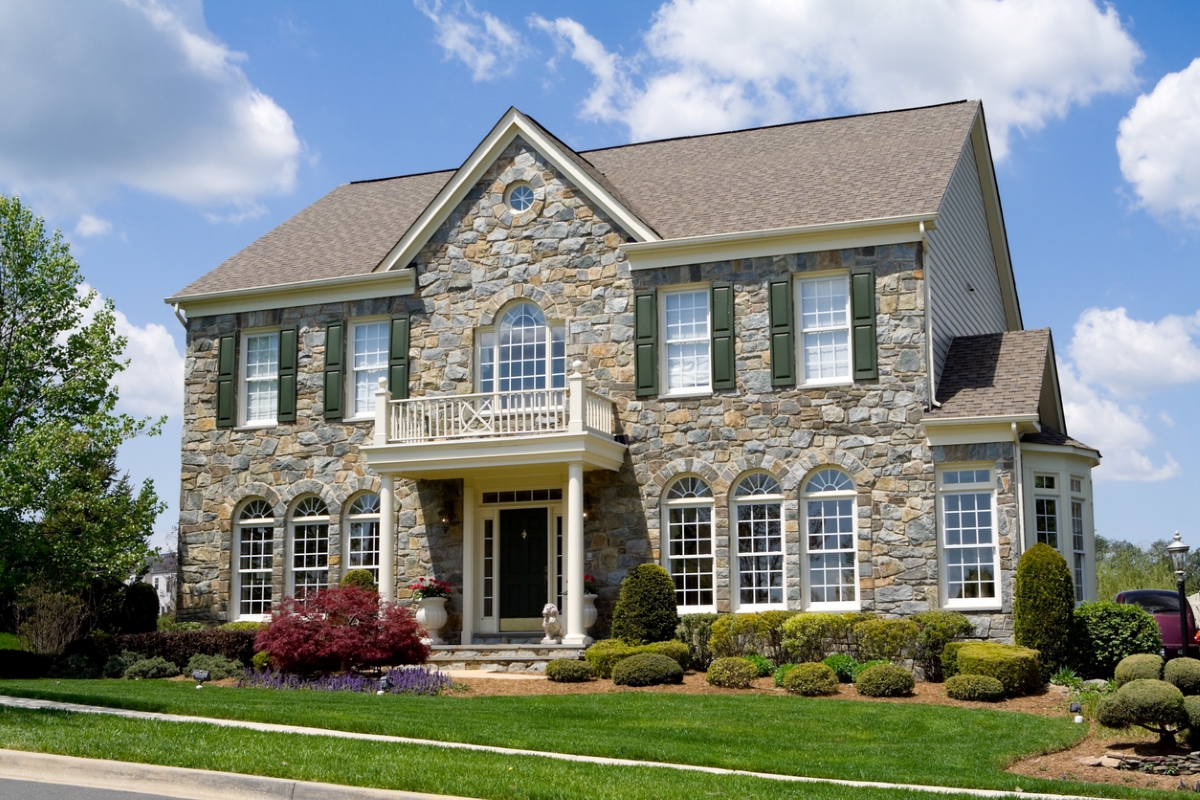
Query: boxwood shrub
<point>950,658</point>
<point>812,636</point>
<point>731,673</point>
<point>975,688</point>
<point>885,680</point>
<point>1143,666</point>
<point>157,667</point>
<point>646,609</point>
<point>886,639</point>
<point>810,679</point>
<point>178,647</point>
<point>1183,674</point>
<point>1044,605</point>
<point>1018,668</point>
<point>936,630</point>
<point>1105,632</point>
<point>647,669</point>
<point>734,635</point>
<point>605,654</point>
<point>568,670</point>
<point>217,667</point>
<point>1154,705</point>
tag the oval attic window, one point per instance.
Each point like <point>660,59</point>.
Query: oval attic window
<point>520,198</point>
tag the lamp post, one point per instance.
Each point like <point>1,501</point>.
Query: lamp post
<point>1178,552</point>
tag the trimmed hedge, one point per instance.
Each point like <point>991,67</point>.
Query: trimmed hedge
<point>734,635</point>
<point>157,667</point>
<point>1141,667</point>
<point>1105,632</point>
<point>1018,668</point>
<point>812,636</point>
<point>1183,674</point>
<point>810,679</point>
<point>936,630</point>
<point>731,673</point>
<point>1044,605</point>
<point>885,680</point>
<point>178,647</point>
<point>950,658</point>
<point>568,670</point>
<point>647,669</point>
<point>858,667</point>
<point>1154,705</point>
<point>695,630</point>
<point>976,688</point>
<point>646,610</point>
<point>886,639</point>
<point>605,654</point>
<point>116,665</point>
<point>217,667</point>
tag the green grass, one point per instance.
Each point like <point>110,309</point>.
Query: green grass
<point>920,744</point>
<point>8,641</point>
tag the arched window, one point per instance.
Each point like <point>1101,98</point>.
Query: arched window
<point>522,353</point>
<point>310,547</point>
<point>362,544</point>
<point>832,550</point>
<point>758,536</point>
<point>689,529</point>
<point>255,557</point>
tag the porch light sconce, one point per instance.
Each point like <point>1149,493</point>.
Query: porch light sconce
<point>447,513</point>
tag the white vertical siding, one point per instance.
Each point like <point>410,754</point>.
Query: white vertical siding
<point>960,265</point>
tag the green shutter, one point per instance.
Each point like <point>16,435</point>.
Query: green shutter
<point>645,343</point>
<point>227,381</point>
<point>286,411</point>
<point>398,357</point>
<point>783,337</point>
<point>862,307</point>
<point>335,355</point>
<point>722,336</point>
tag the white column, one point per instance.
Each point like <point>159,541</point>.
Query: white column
<point>575,398</point>
<point>468,569</point>
<point>387,537</point>
<point>575,548</point>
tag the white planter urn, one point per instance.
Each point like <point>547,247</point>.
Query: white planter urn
<point>431,615</point>
<point>589,611</point>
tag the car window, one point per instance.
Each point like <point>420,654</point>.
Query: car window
<point>1157,604</point>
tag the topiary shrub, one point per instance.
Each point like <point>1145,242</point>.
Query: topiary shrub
<point>1144,666</point>
<point>674,649</point>
<point>568,670</point>
<point>1018,668</point>
<point>858,668</point>
<point>935,630</point>
<point>762,664</point>
<point>812,636</point>
<point>157,667</point>
<point>1184,675</point>
<point>810,679</point>
<point>647,669</point>
<point>646,610</point>
<point>139,608</point>
<point>885,680</point>
<point>731,673</point>
<point>842,666</point>
<point>1044,605</point>
<point>781,672</point>
<point>116,665</point>
<point>695,630</point>
<point>975,688</point>
<point>734,635</point>
<point>886,639</point>
<point>217,667</point>
<point>607,653</point>
<point>1154,705</point>
<point>950,658</point>
<point>360,578</point>
<point>1105,632</point>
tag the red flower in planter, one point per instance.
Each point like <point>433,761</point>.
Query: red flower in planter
<point>424,588</point>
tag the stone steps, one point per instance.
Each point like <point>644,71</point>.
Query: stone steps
<point>508,657</point>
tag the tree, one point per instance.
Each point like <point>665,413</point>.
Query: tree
<point>1044,604</point>
<point>66,517</point>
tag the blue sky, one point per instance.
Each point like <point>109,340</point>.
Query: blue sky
<point>162,137</point>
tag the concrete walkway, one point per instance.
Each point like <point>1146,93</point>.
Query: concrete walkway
<point>269,727</point>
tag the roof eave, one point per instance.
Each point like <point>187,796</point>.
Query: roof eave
<point>995,217</point>
<point>299,293</point>
<point>1079,450</point>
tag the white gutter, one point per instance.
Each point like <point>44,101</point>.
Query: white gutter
<point>928,263</point>
<point>298,293</point>
<point>179,315</point>
<point>1015,419</point>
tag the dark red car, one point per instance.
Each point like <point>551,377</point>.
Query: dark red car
<point>1163,604</point>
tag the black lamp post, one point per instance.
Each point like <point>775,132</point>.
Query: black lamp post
<point>1178,552</point>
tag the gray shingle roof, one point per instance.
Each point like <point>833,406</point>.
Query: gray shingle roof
<point>1051,436</point>
<point>993,375</point>
<point>807,173</point>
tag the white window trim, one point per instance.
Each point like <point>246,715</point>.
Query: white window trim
<point>690,502</point>
<point>348,360</point>
<point>1055,494</point>
<point>805,580</point>
<point>352,518</point>
<point>735,565</point>
<point>235,581</point>
<point>243,385</point>
<point>797,311</point>
<point>289,565</point>
<point>664,376</point>
<point>494,330</point>
<point>972,603</point>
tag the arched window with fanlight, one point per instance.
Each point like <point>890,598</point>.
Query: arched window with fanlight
<point>254,559</point>
<point>362,540</point>
<point>689,540</point>
<point>310,547</point>
<point>831,545</point>
<point>522,352</point>
<point>758,539</point>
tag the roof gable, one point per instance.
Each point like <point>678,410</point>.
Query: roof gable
<point>1000,375</point>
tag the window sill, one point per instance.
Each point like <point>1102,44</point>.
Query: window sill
<point>834,607</point>
<point>697,610</point>
<point>961,605</point>
<point>826,384</point>
<point>256,426</point>
<point>686,395</point>
<point>370,418</point>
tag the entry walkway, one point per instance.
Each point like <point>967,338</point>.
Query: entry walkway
<point>270,727</point>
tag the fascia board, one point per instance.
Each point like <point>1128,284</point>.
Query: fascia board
<point>977,430</point>
<point>511,125</point>
<point>463,456</point>
<point>776,241</point>
<point>1059,449</point>
<point>300,293</point>
<point>995,217</point>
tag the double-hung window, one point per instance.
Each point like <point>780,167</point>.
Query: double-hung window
<point>687,341</point>
<point>758,507</point>
<point>310,547</point>
<point>369,362</point>
<point>362,550</point>
<point>690,551</point>
<point>969,548</point>
<point>824,329</point>
<point>830,544</point>
<point>254,559</point>
<point>261,377</point>
<point>1078,547</point>
<point>1045,510</point>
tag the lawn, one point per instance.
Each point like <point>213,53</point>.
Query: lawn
<point>893,743</point>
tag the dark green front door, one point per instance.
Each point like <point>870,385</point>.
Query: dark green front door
<point>522,564</point>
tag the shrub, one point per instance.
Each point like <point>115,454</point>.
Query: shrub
<point>812,636</point>
<point>1144,666</point>
<point>646,610</point>
<point>341,629</point>
<point>74,667</point>
<point>950,658</point>
<point>116,665</point>
<point>858,668</point>
<point>48,621</point>
<point>217,667</point>
<point>607,653</point>
<point>975,688</point>
<point>734,635</point>
<point>1183,674</point>
<point>1044,604</point>
<point>261,660</point>
<point>1105,632</point>
<point>674,649</point>
<point>935,630</point>
<point>695,630</point>
<point>243,625</point>
<point>167,623</point>
<point>1018,668</point>
<point>810,680</point>
<point>731,673</point>
<point>156,667</point>
<point>781,672</point>
<point>22,665</point>
<point>885,680</point>
<point>647,669</point>
<point>360,578</point>
<point>1154,705</point>
<point>176,647</point>
<point>1065,676</point>
<point>139,608</point>
<point>568,670</point>
<point>762,664</point>
<point>886,639</point>
<point>842,666</point>
<point>770,632</point>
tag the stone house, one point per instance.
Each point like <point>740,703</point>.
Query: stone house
<point>787,363</point>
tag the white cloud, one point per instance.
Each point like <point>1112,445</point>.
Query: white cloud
<point>1130,357</point>
<point>718,64</point>
<point>134,93</point>
<point>89,225</point>
<point>478,39</point>
<point>1157,146</point>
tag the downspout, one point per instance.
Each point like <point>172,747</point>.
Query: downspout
<point>928,264</point>
<point>179,315</point>
<point>1020,479</point>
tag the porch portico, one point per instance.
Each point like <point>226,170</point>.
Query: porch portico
<point>521,456</point>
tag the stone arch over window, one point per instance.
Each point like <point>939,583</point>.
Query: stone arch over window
<point>757,536</point>
<point>253,558</point>
<point>829,506</point>
<point>555,310</point>
<point>361,528</point>
<point>308,545</point>
<point>238,497</point>
<point>689,542</point>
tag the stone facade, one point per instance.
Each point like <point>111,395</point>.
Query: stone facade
<point>563,254</point>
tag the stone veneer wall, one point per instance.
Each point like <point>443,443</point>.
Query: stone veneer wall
<point>563,254</point>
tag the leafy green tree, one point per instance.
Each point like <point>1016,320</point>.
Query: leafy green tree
<point>66,517</point>
<point>1121,565</point>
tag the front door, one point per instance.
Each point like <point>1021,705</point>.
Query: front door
<point>523,559</point>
